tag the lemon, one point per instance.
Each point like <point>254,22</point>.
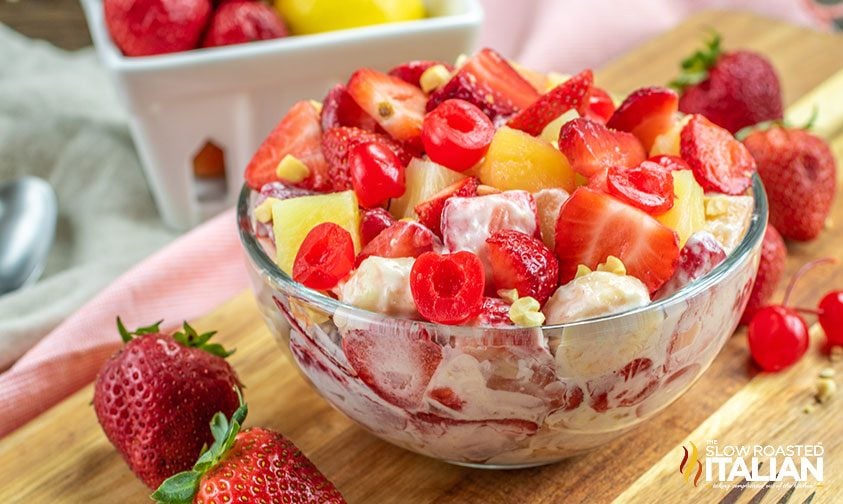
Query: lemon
<point>315,16</point>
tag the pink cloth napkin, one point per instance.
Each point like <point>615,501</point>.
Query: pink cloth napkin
<point>182,281</point>
<point>205,267</point>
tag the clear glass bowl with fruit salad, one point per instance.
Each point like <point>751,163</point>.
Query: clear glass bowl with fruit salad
<point>499,282</point>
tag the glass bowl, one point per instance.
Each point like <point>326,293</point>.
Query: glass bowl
<point>504,397</point>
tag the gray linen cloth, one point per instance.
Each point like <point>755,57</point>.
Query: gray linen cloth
<point>60,120</point>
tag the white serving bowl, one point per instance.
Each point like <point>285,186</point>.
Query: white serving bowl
<point>233,96</point>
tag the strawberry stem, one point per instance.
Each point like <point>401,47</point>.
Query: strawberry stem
<point>696,66</point>
<point>181,488</point>
<point>802,271</point>
<point>127,335</point>
<point>190,338</point>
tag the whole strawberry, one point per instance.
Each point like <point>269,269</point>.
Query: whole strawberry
<point>155,397</point>
<point>732,89</point>
<point>770,269</point>
<point>798,170</point>
<point>239,21</point>
<point>147,27</point>
<point>255,465</point>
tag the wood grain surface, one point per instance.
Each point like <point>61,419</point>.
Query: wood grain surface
<point>63,457</point>
<point>60,22</point>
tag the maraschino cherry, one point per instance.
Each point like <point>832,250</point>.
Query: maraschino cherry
<point>778,335</point>
<point>831,317</point>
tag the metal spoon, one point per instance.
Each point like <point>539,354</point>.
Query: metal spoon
<point>28,213</point>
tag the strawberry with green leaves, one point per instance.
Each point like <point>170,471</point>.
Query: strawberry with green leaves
<point>155,397</point>
<point>732,89</point>
<point>252,465</point>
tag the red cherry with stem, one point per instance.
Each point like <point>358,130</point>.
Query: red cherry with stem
<point>325,257</point>
<point>778,335</point>
<point>831,317</point>
<point>448,288</point>
<point>377,174</point>
<point>457,134</point>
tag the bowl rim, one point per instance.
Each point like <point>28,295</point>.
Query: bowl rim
<point>470,16</point>
<point>271,272</point>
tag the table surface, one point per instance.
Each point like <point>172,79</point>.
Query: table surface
<point>60,22</point>
<point>62,456</point>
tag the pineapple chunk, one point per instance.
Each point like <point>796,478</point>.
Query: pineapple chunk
<point>423,179</point>
<point>668,142</point>
<point>688,213</point>
<point>516,160</point>
<point>293,218</point>
<point>550,132</point>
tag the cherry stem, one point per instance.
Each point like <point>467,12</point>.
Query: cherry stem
<point>799,273</point>
<point>807,310</point>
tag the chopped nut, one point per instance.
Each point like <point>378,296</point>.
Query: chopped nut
<point>525,312</point>
<point>827,373</point>
<point>317,105</point>
<point>816,331</point>
<point>510,295</point>
<point>826,388</point>
<point>263,212</point>
<point>612,265</point>
<point>292,169</point>
<point>836,354</point>
<point>485,190</point>
<point>582,270</point>
<point>434,77</point>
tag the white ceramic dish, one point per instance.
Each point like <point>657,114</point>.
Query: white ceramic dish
<point>233,96</point>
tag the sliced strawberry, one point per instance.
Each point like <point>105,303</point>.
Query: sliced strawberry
<point>592,226</point>
<point>396,364</point>
<point>338,142</point>
<point>411,71</point>
<point>298,134</point>
<point>670,163</point>
<point>447,397</point>
<point>491,68</point>
<point>340,109</point>
<point>372,222</point>
<point>625,387</point>
<point>592,147</point>
<point>493,312</point>
<point>430,210</point>
<point>465,87</point>
<point>598,107</point>
<point>720,162</point>
<point>522,262</point>
<point>488,81</point>
<point>402,239</point>
<point>397,106</point>
<point>568,95</point>
<point>646,113</point>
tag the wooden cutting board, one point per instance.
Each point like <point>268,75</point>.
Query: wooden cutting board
<point>63,456</point>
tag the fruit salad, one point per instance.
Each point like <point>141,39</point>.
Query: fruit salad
<point>494,266</point>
